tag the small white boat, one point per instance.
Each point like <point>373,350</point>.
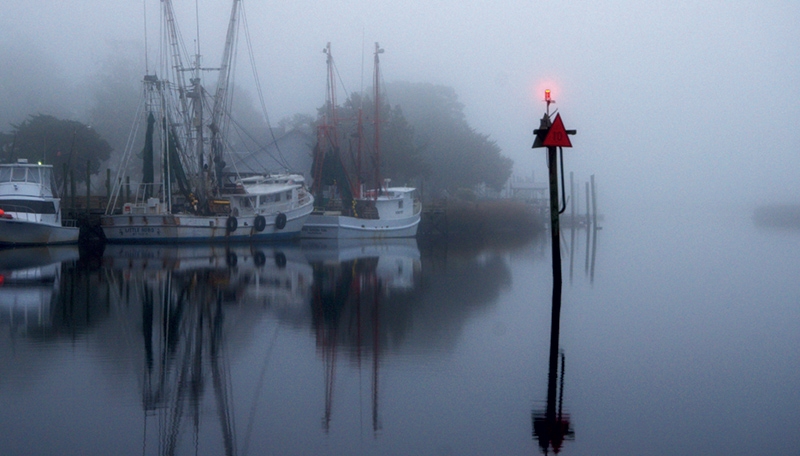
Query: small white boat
<point>345,208</point>
<point>395,213</point>
<point>30,213</point>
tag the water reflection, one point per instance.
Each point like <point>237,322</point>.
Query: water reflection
<point>33,300</point>
<point>190,302</point>
<point>164,324</point>
<point>352,280</point>
<point>591,248</point>
<point>551,426</point>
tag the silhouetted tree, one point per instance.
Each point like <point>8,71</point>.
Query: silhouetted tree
<point>44,138</point>
<point>400,159</point>
<point>457,155</point>
<point>424,137</point>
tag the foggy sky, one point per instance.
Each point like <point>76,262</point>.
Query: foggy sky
<point>682,102</point>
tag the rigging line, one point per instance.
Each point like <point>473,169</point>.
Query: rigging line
<point>341,81</point>
<point>258,84</point>
<point>259,388</point>
<point>241,130</point>
<point>126,155</point>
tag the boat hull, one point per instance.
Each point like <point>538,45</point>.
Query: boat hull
<point>321,226</point>
<point>162,228</point>
<point>23,232</point>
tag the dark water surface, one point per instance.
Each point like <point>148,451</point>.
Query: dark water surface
<point>680,334</point>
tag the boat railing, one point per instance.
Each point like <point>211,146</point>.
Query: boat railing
<point>303,198</point>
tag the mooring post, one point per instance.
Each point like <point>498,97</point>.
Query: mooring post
<point>72,191</point>
<point>88,186</point>
<point>588,220</point>
<point>554,136</point>
<point>572,196</point>
<point>555,228</point>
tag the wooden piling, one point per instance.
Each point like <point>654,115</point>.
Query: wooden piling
<point>572,196</point>
<point>588,220</point>
<point>88,186</point>
<point>72,191</point>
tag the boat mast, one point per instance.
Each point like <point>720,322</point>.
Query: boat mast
<point>378,183</point>
<point>326,131</point>
<point>190,102</point>
<point>331,123</point>
<point>359,159</point>
<point>222,99</point>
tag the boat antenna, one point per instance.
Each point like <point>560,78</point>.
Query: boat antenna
<point>144,26</point>
<point>197,28</point>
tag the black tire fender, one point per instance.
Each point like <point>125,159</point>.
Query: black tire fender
<point>259,259</point>
<point>280,221</point>
<point>260,223</point>
<point>231,224</point>
<point>280,260</point>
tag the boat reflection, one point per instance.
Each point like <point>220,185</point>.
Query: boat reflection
<point>194,304</point>
<point>30,284</point>
<point>352,280</point>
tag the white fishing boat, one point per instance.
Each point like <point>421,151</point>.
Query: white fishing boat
<point>30,212</point>
<point>393,213</point>
<point>193,197</point>
<point>346,208</point>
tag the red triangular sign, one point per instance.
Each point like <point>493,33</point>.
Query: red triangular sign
<point>557,135</point>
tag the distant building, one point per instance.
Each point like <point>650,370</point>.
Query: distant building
<point>526,189</point>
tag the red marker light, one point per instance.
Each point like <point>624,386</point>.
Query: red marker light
<point>547,95</point>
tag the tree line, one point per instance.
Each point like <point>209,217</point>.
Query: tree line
<point>425,139</point>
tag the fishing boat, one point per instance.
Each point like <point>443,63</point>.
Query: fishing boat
<point>30,212</point>
<point>346,207</point>
<point>194,197</point>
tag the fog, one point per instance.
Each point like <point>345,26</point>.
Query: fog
<point>690,103</point>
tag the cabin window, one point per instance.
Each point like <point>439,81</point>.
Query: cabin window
<point>288,196</point>
<point>400,204</point>
<point>33,176</point>
<point>29,206</point>
<point>18,174</point>
<point>5,174</point>
<point>266,199</point>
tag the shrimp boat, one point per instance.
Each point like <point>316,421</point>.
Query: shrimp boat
<point>30,213</point>
<point>345,207</point>
<point>193,197</point>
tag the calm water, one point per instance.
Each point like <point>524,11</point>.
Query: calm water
<point>680,334</point>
